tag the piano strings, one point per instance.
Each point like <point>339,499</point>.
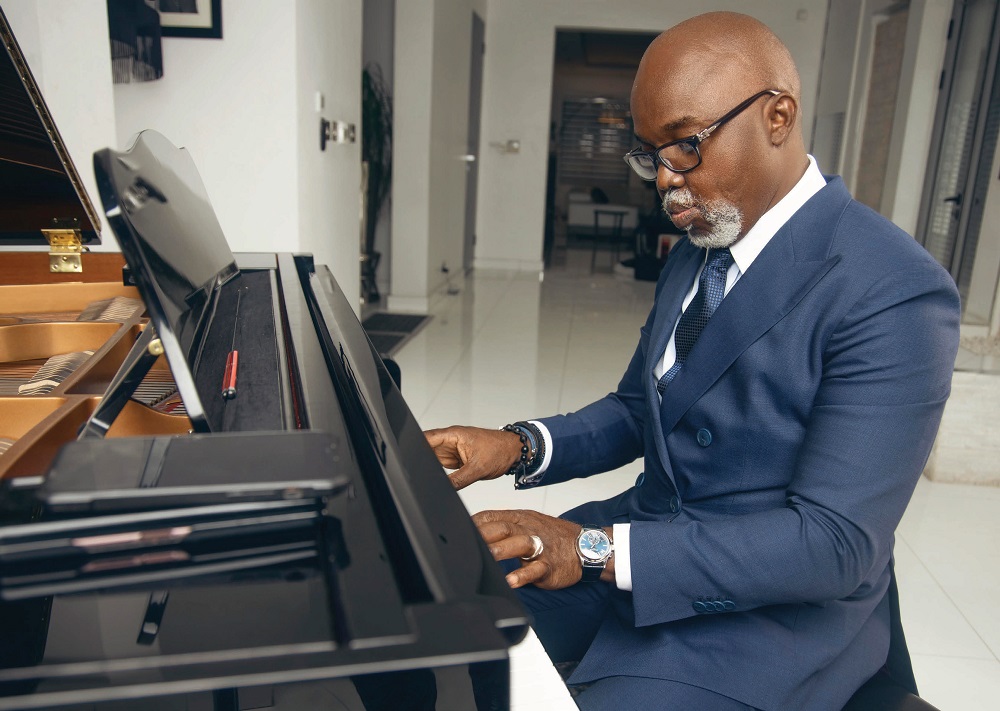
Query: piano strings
<point>118,308</point>
<point>55,370</point>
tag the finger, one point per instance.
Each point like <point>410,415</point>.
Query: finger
<point>529,573</point>
<point>495,531</point>
<point>519,546</point>
<point>511,516</point>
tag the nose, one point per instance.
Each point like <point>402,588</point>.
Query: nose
<point>667,179</point>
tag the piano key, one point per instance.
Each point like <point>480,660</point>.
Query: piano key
<point>535,685</point>
<point>5,444</point>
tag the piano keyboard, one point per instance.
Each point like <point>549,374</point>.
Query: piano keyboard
<point>535,685</point>
<point>56,369</point>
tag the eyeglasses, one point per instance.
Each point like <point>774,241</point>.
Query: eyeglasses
<point>683,155</point>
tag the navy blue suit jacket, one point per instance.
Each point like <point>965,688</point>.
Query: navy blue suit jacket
<point>778,464</point>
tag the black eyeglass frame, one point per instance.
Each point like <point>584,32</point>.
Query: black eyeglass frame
<point>693,141</point>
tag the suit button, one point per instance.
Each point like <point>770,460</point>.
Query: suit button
<point>699,607</point>
<point>675,504</point>
<point>704,437</point>
<point>641,478</point>
<point>729,605</point>
<point>718,606</point>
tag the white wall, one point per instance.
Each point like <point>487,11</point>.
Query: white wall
<point>520,41</point>
<point>66,45</point>
<point>916,102</point>
<point>430,130</point>
<point>328,61</point>
<point>836,86</point>
<point>245,108</point>
<point>232,104</point>
<point>411,154</point>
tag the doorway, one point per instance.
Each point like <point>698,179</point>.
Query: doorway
<point>962,152</point>
<point>590,132</point>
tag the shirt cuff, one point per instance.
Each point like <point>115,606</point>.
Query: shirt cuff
<point>623,560</point>
<point>548,446</point>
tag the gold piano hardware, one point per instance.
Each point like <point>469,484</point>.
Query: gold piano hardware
<point>155,347</point>
<point>65,248</point>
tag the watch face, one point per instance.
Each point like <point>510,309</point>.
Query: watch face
<point>594,545</point>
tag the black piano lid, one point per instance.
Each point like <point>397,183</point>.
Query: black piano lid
<point>160,213</point>
<point>39,187</point>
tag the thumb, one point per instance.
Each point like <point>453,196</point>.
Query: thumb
<point>463,476</point>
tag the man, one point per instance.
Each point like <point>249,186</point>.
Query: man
<point>785,393</point>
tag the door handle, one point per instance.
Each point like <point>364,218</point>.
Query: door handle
<point>956,199</point>
<point>468,158</point>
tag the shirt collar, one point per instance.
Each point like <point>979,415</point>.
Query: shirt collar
<point>753,243</point>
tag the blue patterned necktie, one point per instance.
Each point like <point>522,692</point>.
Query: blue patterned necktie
<point>711,289</point>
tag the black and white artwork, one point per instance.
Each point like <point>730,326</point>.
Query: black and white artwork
<point>191,18</point>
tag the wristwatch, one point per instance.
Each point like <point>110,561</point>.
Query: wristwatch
<point>595,549</point>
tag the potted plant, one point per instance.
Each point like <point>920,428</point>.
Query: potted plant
<point>376,152</point>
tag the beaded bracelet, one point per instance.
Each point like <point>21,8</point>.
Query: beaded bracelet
<point>521,465</point>
<point>532,455</point>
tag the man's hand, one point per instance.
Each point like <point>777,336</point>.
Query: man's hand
<point>474,453</point>
<point>508,535</point>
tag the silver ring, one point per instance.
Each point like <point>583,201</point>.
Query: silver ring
<point>539,547</point>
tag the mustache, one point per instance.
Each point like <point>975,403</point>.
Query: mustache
<point>678,199</point>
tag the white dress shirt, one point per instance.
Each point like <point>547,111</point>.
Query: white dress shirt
<point>744,252</point>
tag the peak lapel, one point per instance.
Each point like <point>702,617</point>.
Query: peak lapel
<point>668,310</point>
<point>794,261</point>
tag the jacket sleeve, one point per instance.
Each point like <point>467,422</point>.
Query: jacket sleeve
<point>607,434</point>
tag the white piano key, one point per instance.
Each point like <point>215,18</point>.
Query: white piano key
<point>535,685</point>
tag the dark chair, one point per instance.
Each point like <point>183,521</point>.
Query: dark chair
<point>893,688</point>
<point>612,221</point>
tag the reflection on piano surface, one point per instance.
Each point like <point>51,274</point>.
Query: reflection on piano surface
<point>162,546</point>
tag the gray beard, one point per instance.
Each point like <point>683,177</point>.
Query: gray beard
<point>725,220</point>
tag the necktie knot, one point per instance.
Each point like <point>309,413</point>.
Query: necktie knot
<point>720,260</point>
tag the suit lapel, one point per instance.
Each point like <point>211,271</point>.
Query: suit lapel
<point>668,309</point>
<point>794,261</point>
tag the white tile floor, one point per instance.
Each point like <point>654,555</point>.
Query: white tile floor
<point>510,346</point>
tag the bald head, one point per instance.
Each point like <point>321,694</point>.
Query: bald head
<point>696,73</point>
<point>723,46</point>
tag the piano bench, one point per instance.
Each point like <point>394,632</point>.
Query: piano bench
<point>882,693</point>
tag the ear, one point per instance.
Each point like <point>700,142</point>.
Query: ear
<point>781,118</point>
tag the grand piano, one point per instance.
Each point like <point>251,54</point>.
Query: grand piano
<point>212,493</point>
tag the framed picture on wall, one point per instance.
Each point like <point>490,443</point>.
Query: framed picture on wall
<point>190,18</point>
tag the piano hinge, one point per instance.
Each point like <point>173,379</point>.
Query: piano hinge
<point>65,248</point>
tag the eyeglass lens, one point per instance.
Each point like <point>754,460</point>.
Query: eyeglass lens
<point>678,156</point>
